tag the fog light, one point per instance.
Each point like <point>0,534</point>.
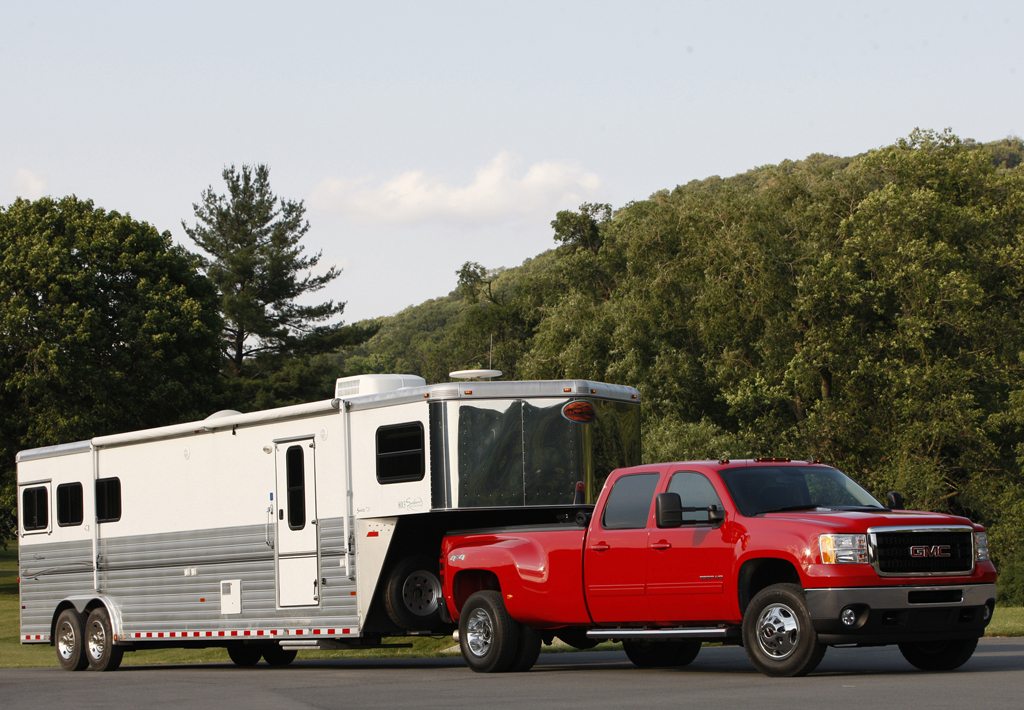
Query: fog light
<point>849,617</point>
<point>985,612</point>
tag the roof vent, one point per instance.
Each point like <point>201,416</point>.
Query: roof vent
<point>474,374</point>
<point>374,384</point>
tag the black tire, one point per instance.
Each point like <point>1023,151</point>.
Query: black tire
<point>528,650</point>
<point>277,656</point>
<point>99,648</point>
<point>778,635</point>
<point>245,654</point>
<point>939,655</point>
<point>412,597</point>
<point>70,641</point>
<point>661,654</point>
<point>488,636</point>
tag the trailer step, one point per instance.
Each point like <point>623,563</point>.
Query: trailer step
<point>332,645</point>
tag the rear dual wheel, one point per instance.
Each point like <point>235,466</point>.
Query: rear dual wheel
<point>70,642</point>
<point>491,640</point>
<point>100,650</point>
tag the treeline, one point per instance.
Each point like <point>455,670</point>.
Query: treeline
<point>865,311</point>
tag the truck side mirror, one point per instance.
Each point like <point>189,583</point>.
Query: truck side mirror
<point>894,501</point>
<point>668,510</point>
<point>716,516</point>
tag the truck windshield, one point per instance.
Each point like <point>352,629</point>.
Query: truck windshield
<point>527,452</point>
<point>767,489</point>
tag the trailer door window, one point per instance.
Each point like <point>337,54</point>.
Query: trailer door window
<point>400,455</point>
<point>108,500</point>
<point>35,509</point>
<point>296,465</point>
<point>69,504</point>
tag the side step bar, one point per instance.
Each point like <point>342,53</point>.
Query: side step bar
<point>695,634</point>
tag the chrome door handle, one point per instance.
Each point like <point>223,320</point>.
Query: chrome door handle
<point>660,545</point>
<point>600,547</point>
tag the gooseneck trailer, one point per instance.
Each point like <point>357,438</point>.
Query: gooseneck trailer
<point>313,526</point>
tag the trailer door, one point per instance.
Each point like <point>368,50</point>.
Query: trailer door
<point>298,568</point>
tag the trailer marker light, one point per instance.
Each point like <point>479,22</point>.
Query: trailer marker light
<point>469,391</point>
<point>567,389</point>
<point>202,599</point>
<point>373,533</point>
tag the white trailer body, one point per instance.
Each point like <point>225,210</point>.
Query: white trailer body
<point>289,525</point>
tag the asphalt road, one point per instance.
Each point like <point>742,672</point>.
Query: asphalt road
<point>872,678</point>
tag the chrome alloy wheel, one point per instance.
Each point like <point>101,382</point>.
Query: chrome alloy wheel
<point>66,640</point>
<point>479,632</point>
<point>97,640</point>
<point>778,631</point>
<point>421,593</point>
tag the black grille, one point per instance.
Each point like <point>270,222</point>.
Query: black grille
<point>923,552</point>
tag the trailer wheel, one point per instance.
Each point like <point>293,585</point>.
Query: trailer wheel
<point>528,649</point>
<point>939,655</point>
<point>103,655</point>
<point>277,656</point>
<point>661,654</point>
<point>70,641</point>
<point>488,636</point>
<point>413,594</point>
<point>244,654</point>
<point>778,635</point>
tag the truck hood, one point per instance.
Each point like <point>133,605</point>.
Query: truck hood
<point>858,521</point>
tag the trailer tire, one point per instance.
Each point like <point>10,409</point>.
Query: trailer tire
<point>778,635</point>
<point>70,641</point>
<point>661,654</point>
<point>100,650</point>
<point>528,650</point>
<point>488,636</point>
<point>412,597</point>
<point>244,654</point>
<point>277,656</point>
<point>939,655</point>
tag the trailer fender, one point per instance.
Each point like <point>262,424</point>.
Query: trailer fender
<point>84,604</point>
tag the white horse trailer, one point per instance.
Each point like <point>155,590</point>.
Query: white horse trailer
<point>313,526</point>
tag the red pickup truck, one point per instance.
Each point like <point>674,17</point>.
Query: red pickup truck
<point>783,557</point>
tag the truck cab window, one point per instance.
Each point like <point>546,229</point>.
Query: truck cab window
<point>296,465</point>
<point>695,491</point>
<point>400,455</point>
<point>69,504</point>
<point>108,500</point>
<point>629,503</point>
<point>35,509</point>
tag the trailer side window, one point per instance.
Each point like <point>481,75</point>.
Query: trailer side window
<point>296,468</point>
<point>35,509</point>
<point>108,500</point>
<point>69,504</point>
<point>400,455</point>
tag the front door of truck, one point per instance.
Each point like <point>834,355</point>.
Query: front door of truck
<point>615,557</point>
<point>687,566</point>
<point>298,568</point>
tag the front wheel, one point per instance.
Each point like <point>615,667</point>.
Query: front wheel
<point>778,635</point>
<point>103,655</point>
<point>488,636</point>
<point>939,655</point>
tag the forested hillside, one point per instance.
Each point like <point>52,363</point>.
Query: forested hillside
<point>866,311</point>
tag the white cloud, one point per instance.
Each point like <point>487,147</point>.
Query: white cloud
<point>496,193</point>
<point>29,185</point>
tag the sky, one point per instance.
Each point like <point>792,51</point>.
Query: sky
<point>421,135</point>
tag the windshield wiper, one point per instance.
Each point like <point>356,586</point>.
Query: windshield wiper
<point>791,507</point>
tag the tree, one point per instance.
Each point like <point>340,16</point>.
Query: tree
<point>104,327</point>
<point>257,264</point>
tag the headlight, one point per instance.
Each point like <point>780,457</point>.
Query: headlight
<point>981,547</point>
<point>843,549</point>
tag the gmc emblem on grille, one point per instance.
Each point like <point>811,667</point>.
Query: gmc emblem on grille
<point>929,551</point>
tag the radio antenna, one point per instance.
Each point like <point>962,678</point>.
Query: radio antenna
<point>490,354</point>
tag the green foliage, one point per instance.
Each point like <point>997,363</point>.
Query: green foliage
<point>257,262</point>
<point>104,326</point>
